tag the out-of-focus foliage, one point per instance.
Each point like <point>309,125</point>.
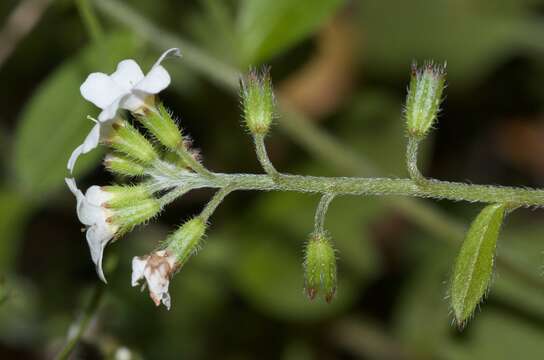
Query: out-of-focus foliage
<point>242,296</point>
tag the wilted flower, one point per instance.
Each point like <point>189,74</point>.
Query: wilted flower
<point>156,269</point>
<point>94,215</point>
<point>126,88</point>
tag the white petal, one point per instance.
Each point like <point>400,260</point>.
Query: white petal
<point>167,53</point>
<point>128,74</point>
<point>138,266</point>
<point>71,182</point>
<point>110,112</point>
<point>96,196</point>
<point>100,89</point>
<point>156,80</point>
<point>97,238</point>
<point>73,158</point>
<point>133,101</point>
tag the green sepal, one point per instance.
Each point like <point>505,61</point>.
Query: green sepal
<point>158,121</point>
<point>258,101</point>
<point>474,264</point>
<point>126,195</point>
<point>126,139</point>
<point>424,96</point>
<point>185,240</point>
<point>138,212</point>
<point>123,165</point>
<point>320,267</point>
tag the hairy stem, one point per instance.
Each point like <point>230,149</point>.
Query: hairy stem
<point>262,155</point>
<point>214,202</point>
<point>370,186</point>
<point>411,161</point>
<point>321,212</point>
<point>193,163</point>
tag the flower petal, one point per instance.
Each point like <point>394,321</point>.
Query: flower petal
<point>91,142</point>
<point>100,89</point>
<point>133,101</point>
<point>97,238</point>
<point>127,75</point>
<point>71,182</point>
<point>156,80</point>
<point>138,266</point>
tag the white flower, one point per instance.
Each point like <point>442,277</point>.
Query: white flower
<point>126,88</point>
<point>94,216</point>
<point>157,269</point>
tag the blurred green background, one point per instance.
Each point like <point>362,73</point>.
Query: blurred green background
<point>340,70</point>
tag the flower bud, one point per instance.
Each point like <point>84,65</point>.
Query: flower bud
<point>125,195</point>
<point>424,96</point>
<point>159,122</point>
<point>258,101</point>
<point>320,267</point>
<point>184,241</point>
<point>128,140</point>
<point>134,213</point>
<point>122,165</point>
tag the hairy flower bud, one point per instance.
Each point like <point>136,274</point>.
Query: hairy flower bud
<point>424,96</point>
<point>122,165</point>
<point>320,267</point>
<point>159,122</point>
<point>128,140</point>
<point>258,101</point>
<point>184,241</point>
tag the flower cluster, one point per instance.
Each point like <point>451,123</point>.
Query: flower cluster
<point>107,212</point>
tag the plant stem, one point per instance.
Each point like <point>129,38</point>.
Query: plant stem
<point>411,161</point>
<point>193,163</point>
<point>321,212</point>
<point>82,324</point>
<point>90,20</point>
<point>262,155</point>
<point>214,202</point>
<point>435,189</point>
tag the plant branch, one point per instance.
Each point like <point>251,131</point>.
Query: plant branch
<point>321,212</point>
<point>262,155</point>
<point>411,161</point>
<point>435,189</point>
<point>214,202</point>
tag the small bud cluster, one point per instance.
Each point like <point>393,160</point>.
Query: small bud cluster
<point>424,96</point>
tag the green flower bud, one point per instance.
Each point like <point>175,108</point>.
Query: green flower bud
<point>258,101</point>
<point>122,165</point>
<point>134,213</point>
<point>125,195</point>
<point>424,96</point>
<point>128,140</point>
<point>184,242</point>
<point>159,122</point>
<point>320,267</point>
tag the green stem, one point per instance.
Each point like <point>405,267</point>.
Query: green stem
<point>193,163</point>
<point>321,212</point>
<point>411,161</point>
<point>262,155</point>
<point>435,189</point>
<point>214,202</point>
<point>83,323</point>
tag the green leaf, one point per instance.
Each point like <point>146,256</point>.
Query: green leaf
<point>474,264</point>
<point>54,122</point>
<point>267,27</point>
